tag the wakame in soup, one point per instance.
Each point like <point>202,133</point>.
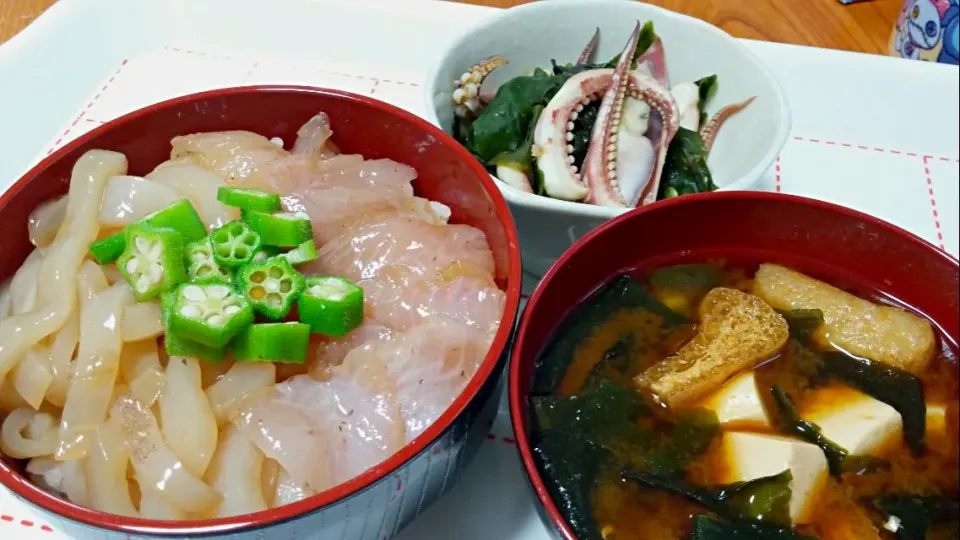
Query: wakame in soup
<point>708,402</point>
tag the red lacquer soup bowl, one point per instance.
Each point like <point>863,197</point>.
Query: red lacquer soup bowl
<point>830,242</point>
<point>379,502</point>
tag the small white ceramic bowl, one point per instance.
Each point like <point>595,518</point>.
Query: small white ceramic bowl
<point>531,34</point>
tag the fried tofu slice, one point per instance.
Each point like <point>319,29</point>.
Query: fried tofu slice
<point>737,331</point>
<point>882,333</point>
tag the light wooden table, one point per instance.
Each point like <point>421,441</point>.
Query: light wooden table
<point>863,27</point>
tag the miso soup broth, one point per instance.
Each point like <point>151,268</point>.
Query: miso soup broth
<point>713,401</point>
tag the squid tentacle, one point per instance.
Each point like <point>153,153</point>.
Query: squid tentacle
<point>598,167</point>
<point>587,53</point>
<point>467,93</point>
<point>709,130</point>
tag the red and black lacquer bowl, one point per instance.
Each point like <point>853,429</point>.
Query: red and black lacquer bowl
<point>847,248</point>
<point>376,504</point>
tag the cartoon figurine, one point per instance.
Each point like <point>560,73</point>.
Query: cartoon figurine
<point>927,30</point>
<point>950,50</point>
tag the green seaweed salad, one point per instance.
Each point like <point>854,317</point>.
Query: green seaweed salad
<point>501,133</point>
<point>619,468</point>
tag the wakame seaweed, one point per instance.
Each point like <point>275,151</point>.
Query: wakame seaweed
<point>790,422</point>
<point>763,500</point>
<point>893,386</point>
<point>582,129</point>
<point>838,459</point>
<point>604,414</point>
<point>570,466</point>
<point>521,158</point>
<point>710,528</point>
<point>916,515</point>
<point>689,279</point>
<point>502,125</point>
<point>614,364</point>
<point>622,292</point>
<point>706,89</point>
<point>689,437</point>
<point>802,322</point>
<point>597,428</point>
<point>644,41</point>
<point>685,170</point>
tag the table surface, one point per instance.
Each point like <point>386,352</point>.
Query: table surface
<point>863,27</point>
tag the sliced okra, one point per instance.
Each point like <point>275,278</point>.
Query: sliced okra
<point>208,312</point>
<point>271,287</point>
<point>152,260</point>
<point>234,244</point>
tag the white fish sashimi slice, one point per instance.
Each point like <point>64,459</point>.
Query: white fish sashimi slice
<point>304,171</point>
<point>239,157</point>
<point>326,353</point>
<point>332,209</point>
<point>372,172</point>
<point>425,249</point>
<point>336,210</point>
<point>284,432</point>
<point>355,413</point>
<point>301,171</point>
<point>359,408</point>
<point>402,303</point>
<point>431,364</point>
<point>313,135</point>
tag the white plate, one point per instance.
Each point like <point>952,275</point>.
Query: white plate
<point>863,136</point>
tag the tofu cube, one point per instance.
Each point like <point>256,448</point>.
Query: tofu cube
<point>738,403</point>
<point>941,434</point>
<point>749,456</point>
<point>858,423</point>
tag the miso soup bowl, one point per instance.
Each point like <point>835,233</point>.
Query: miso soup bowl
<point>847,248</point>
<point>379,502</point>
<point>532,34</point>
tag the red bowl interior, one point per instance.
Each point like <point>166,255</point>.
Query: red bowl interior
<point>847,248</point>
<point>447,173</point>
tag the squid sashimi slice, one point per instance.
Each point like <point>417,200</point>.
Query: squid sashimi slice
<point>288,490</point>
<point>401,303</point>
<point>431,365</point>
<point>155,463</point>
<point>201,186</point>
<point>239,157</point>
<point>235,473</point>
<point>324,433</point>
<point>425,249</point>
<point>129,198</point>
